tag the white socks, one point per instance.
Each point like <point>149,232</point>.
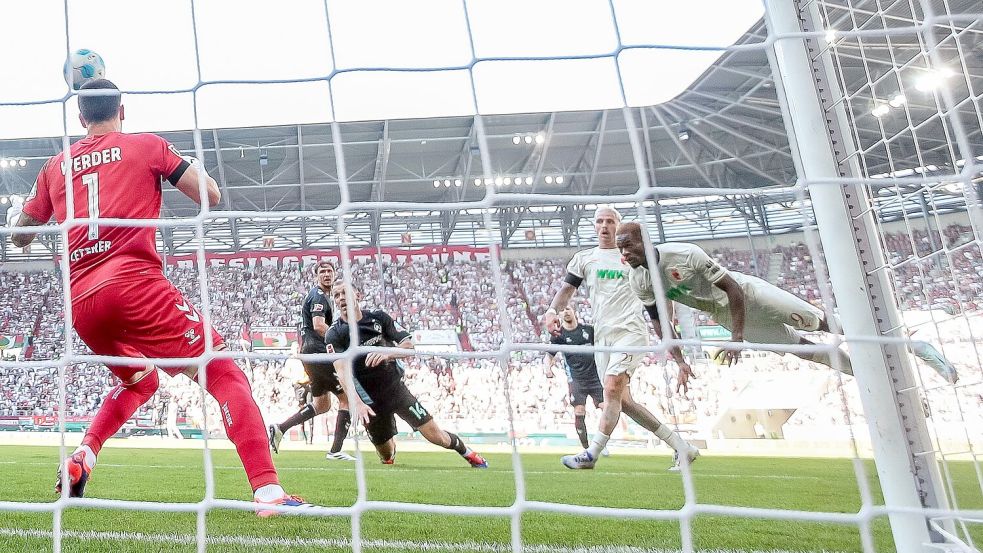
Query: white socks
<point>597,443</point>
<point>674,440</point>
<point>269,493</point>
<point>90,457</point>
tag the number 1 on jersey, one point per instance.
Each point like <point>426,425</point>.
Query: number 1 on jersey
<point>91,181</point>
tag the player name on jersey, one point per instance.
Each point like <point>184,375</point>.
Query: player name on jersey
<point>82,162</point>
<point>98,247</point>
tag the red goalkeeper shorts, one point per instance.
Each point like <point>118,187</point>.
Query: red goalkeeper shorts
<point>141,318</point>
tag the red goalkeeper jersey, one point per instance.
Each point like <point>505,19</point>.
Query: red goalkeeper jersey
<point>114,175</point>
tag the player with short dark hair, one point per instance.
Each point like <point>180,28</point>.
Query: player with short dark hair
<point>316,317</point>
<point>122,304</point>
<point>378,379</point>
<point>102,107</point>
<point>751,308</point>
<point>580,367</point>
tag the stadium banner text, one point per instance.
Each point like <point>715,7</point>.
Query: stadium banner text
<point>272,337</point>
<point>305,258</point>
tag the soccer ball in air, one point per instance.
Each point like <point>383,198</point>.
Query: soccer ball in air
<point>84,65</point>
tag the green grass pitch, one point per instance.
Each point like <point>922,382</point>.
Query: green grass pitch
<point>443,478</point>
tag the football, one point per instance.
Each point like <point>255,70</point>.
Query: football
<point>83,65</point>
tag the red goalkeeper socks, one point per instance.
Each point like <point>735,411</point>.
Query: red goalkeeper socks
<point>242,420</point>
<point>117,408</point>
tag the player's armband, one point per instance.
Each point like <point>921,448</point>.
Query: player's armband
<point>573,280</point>
<point>176,175</point>
<point>187,162</point>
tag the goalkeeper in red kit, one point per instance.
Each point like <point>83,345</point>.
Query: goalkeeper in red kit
<point>122,304</point>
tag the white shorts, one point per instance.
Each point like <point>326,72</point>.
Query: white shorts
<point>615,363</point>
<point>773,316</point>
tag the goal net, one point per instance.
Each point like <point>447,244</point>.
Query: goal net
<point>449,157</point>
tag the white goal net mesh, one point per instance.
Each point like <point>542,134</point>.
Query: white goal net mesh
<point>711,162</point>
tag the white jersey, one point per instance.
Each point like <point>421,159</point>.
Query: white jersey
<point>688,277</point>
<point>615,307</point>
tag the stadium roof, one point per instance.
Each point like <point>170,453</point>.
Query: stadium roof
<point>724,132</point>
<point>312,61</point>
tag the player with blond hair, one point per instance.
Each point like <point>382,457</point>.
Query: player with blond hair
<point>619,321</point>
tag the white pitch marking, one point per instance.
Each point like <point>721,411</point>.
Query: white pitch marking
<point>343,543</point>
<point>336,468</point>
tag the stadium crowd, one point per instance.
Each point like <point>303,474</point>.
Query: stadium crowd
<point>470,393</point>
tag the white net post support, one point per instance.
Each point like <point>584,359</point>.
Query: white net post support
<point>815,120</point>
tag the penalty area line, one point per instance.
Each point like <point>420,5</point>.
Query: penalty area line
<point>345,543</point>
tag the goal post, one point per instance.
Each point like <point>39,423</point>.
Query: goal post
<point>816,121</point>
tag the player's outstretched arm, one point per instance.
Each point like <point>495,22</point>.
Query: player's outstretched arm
<point>397,335</point>
<point>377,359</point>
<point>188,184</point>
<point>22,239</point>
<point>355,404</point>
<point>320,326</point>
<point>550,359</point>
<point>685,370</point>
<point>551,320</point>
<point>548,364</point>
<point>738,310</point>
<point>653,311</point>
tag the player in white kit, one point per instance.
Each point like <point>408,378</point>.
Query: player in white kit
<point>618,322</point>
<point>752,309</point>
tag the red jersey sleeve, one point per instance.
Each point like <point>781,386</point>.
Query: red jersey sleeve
<point>38,205</point>
<point>166,157</point>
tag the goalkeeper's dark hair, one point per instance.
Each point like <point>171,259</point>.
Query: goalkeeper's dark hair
<point>102,107</point>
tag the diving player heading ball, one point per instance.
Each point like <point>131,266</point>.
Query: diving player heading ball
<point>751,308</point>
